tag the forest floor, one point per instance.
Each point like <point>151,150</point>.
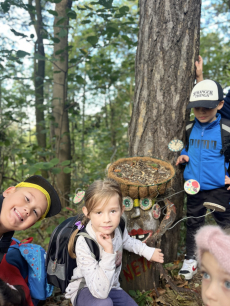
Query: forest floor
<point>191,294</point>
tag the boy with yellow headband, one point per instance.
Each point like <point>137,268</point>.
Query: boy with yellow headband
<point>23,205</point>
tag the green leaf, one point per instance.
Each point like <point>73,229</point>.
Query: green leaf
<point>132,293</point>
<point>55,170</point>
<point>38,56</point>
<point>47,240</point>
<point>21,53</point>
<point>62,33</point>
<point>60,21</point>
<point>37,224</point>
<point>59,51</point>
<point>84,51</point>
<point>86,21</point>
<point>5,6</point>
<point>92,40</point>
<point>124,10</point>
<point>67,170</point>
<point>80,79</point>
<point>55,40</point>
<point>65,163</point>
<point>61,219</point>
<point>54,161</point>
<point>32,170</point>
<point>18,33</point>
<point>106,3</point>
<point>54,13</point>
<point>81,8</point>
<point>71,14</point>
<point>57,71</point>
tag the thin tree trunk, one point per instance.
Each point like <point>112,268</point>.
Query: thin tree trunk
<point>167,49</point>
<point>39,75</point>
<point>63,146</point>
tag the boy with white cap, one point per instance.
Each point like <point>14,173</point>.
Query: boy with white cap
<point>205,163</point>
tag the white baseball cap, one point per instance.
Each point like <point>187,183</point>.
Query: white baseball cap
<point>206,94</point>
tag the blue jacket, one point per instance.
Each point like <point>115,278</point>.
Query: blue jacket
<point>206,163</point>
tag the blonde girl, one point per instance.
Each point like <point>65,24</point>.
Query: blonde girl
<point>97,283</point>
<point>213,252</point>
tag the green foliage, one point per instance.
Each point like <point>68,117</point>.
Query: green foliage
<point>141,298</point>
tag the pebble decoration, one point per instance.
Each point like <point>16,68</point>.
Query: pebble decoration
<point>79,197</point>
<point>191,187</point>
<point>175,145</point>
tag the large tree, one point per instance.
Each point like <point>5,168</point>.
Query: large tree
<point>168,46</point>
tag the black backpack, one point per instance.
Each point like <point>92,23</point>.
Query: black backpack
<point>59,264</point>
<point>225,136</point>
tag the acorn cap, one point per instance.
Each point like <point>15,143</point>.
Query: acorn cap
<point>55,207</point>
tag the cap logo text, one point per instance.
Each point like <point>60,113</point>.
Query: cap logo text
<point>202,94</point>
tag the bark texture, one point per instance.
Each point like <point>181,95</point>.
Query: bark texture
<point>59,102</point>
<point>168,46</point>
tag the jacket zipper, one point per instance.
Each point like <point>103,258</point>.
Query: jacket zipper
<point>202,134</point>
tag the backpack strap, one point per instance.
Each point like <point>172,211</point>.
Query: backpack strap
<point>122,226</point>
<point>189,126</point>
<point>225,137</point>
<point>92,244</point>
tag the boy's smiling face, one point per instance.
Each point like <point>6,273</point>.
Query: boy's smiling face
<point>205,115</point>
<point>21,208</point>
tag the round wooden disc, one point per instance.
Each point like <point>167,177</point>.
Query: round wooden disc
<point>128,203</point>
<point>146,203</point>
<point>79,197</point>
<point>212,206</point>
<point>175,145</point>
<point>156,211</point>
<point>191,187</point>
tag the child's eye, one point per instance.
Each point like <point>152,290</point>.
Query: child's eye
<point>35,212</point>
<point>27,199</point>
<point>98,213</point>
<point>113,211</point>
<point>205,275</point>
<point>227,284</point>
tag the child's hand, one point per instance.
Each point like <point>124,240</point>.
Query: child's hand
<point>227,181</point>
<point>182,159</point>
<point>157,256</point>
<point>105,241</point>
<point>199,69</point>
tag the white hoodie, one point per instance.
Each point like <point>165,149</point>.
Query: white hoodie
<point>100,277</point>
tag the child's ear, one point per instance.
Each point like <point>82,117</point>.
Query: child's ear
<point>123,209</point>
<point>9,191</point>
<point>85,211</point>
<point>220,105</point>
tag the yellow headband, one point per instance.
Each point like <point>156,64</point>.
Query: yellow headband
<point>25,184</point>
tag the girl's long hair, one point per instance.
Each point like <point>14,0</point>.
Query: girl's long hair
<point>10,296</point>
<point>98,191</point>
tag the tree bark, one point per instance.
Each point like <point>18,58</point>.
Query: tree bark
<point>168,46</point>
<point>59,102</point>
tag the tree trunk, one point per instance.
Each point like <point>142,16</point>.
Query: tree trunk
<point>168,47</point>
<point>39,76</point>
<point>59,102</point>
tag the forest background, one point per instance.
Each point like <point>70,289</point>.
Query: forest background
<point>67,87</point>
